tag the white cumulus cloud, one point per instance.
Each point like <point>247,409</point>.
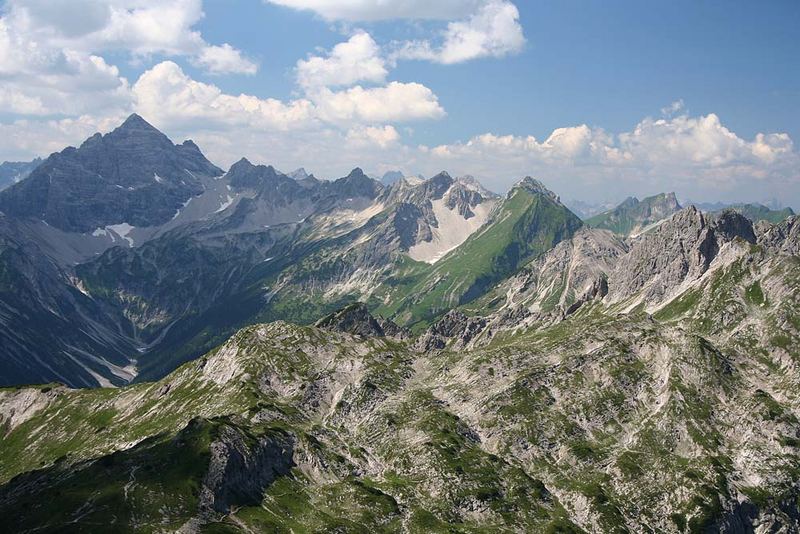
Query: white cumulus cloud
<point>37,30</point>
<point>166,95</point>
<point>493,31</point>
<point>224,59</point>
<point>396,102</point>
<point>355,60</point>
<point>364,10</point>
<point>696,156</point>
<point>369,136</point>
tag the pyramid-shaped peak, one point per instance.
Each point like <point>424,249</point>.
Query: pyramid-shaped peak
<point>356,173</point>
<point>136,130</point>
<point>532,185</point>
<point>135,121</point>
<point>243,162</point>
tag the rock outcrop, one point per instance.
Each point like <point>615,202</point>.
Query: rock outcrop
<point>681,249</point>
<point>241,467</point>
<point>357,320</point>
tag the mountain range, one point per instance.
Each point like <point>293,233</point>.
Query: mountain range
<point>282,353</point>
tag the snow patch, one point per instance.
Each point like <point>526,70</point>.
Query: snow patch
<point>453,230</point>
<point>183,207</point>
<point>122,230</point>
<point>116,232</point>
<point>413,180</point>
<point>225,204</point>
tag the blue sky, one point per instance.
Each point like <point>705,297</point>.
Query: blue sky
<point>598,99</point>
<point>602,63</point>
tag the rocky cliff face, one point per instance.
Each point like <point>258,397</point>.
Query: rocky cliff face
<point>679,252</point>
<point>240,469</point>
<point>133,175</point>
<point>356,319</point>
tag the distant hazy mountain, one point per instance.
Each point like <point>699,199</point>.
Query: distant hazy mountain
<point>634,216</point>
<point>12,172</point>
<point>585,210</point>
<point>391,177</point>
<point>753,211</point>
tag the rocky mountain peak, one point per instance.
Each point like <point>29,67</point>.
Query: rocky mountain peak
<point>241,165</point>
<point>470,182</point>
<point>677,252</point>
<point>357,184</point>
<point>135,121</point>
<point>245,175</point>
<point>357,174</point>
<point>534,186</point>
<point>136,130</point>
<point>12,172</point>
<point>299,174</point>
<point>133,175</point>
<point>191,145</point>
<point>731,224</point>
<point>391,177</point>
<point>437,186</point>
<point>672,200</point>
<point>357,320</point>
<point>633,216</point>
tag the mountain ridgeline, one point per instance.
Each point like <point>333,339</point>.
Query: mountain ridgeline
<point>283,353</point>
<point>635,216</point>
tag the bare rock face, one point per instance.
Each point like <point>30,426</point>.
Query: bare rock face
<point>17,406</point>
<point>681,249</point>
<point>454,329</point>
<point>730,224</point>
<point>241,468</point>
<point>633,216</point>
<point>783,238</point>
<point>574,270</point>
<point>357,320</point>
<point>463,200</point>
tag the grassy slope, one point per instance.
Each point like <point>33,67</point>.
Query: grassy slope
<point>79,477</point>
<point>527,225</point>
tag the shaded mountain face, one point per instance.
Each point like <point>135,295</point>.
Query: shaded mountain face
<point>12,172</point>
<point>133,176</point>
<point>50,329</point>
<point>633,216</point>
